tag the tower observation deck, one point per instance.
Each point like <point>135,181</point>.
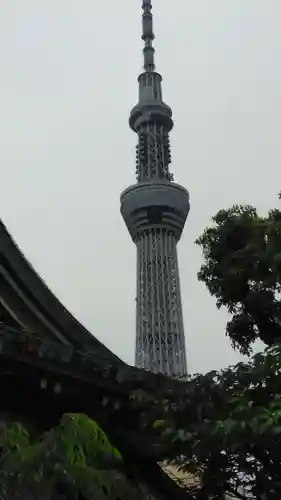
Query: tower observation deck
<point>155,210</point>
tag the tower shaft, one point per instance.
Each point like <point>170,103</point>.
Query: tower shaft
<point>160,343</point>
<point>155,210</point>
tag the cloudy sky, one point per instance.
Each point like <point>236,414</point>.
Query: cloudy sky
<point>67,84</point>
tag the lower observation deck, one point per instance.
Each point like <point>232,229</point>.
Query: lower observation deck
<point>156,203</point>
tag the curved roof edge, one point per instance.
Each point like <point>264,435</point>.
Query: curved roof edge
<point>45,300</point>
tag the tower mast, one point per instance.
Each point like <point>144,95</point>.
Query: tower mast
<point>155,210</point>
<point>148,36</point>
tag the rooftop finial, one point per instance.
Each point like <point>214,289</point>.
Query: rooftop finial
<point>148,36</point>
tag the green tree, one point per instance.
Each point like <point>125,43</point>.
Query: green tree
<point>75,460</point>
<point>224,427</point>
<point>242,270</point>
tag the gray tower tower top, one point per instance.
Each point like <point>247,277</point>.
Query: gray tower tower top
<point>148,36</point>
<point>155,210</point>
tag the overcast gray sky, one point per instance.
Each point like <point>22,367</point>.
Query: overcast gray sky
<point>67,84</point>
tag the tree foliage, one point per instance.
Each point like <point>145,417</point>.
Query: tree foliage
<point>223,426</point>
<point>242,270</point>
<point>73,461</point>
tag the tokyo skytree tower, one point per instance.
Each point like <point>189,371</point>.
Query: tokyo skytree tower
<point>155,210</point>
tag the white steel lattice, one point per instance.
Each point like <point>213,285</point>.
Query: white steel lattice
<point>160,343</point>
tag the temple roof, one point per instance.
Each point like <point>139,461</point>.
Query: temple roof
<point>28,298</point>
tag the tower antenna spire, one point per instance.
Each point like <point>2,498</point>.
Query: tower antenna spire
<point>148,36</point>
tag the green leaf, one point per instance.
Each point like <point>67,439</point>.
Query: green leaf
<point>158,424</point>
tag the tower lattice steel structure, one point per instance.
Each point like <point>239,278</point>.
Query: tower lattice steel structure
<point>155,210</point>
